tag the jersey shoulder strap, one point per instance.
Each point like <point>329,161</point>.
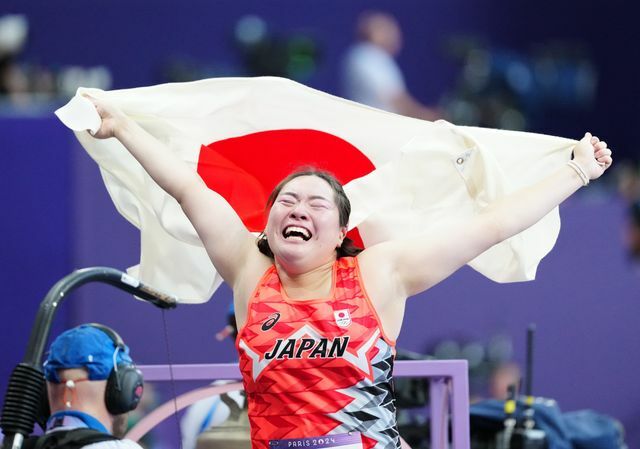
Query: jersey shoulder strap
<point>67,439</point>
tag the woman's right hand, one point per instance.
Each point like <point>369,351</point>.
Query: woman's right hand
<point>113,119</point>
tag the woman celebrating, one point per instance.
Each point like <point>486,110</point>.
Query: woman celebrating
<point>318,319</point>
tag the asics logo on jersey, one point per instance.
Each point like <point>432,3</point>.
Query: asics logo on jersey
<point>271,321</point>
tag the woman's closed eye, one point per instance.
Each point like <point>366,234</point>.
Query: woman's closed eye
<point>286,201</point>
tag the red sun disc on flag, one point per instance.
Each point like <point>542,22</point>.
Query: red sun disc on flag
<point>245,169</point>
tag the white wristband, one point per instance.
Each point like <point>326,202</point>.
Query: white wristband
<point>583,176</point>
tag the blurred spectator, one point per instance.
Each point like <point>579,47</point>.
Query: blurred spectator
<point>628,175</point>
<point>372,76</point>
<point>13,35</point>
<point>24,84</point>
<point>501,378</point>
<point>634,230</point>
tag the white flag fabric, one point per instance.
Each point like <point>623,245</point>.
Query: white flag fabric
<point>242,135</point>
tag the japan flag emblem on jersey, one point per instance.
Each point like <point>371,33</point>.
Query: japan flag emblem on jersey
<point>343,319</point>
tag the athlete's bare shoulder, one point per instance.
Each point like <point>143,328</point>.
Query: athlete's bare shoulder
<point>255,267</point>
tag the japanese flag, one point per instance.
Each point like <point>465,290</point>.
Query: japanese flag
<point>243,135</point>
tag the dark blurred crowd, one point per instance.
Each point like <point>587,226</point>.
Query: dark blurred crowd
<point>27,83</point>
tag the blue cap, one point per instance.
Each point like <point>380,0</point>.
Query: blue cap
<point>86,347</point>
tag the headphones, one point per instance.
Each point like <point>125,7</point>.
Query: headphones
<point>125,383</point>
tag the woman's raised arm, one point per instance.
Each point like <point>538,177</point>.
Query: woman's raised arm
<point>226,239</point>
<point>425,260</point>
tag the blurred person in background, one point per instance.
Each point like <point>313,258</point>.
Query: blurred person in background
<point>25,83</point>
<point>13,36</point>
<point>504,375</point>
<point>372,76</point>
<point>629,187</point>
<point>634,230</point>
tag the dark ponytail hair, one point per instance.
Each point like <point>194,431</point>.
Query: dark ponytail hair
<point>348,248</point>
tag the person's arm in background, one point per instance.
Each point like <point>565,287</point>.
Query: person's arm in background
<point>404,103</point>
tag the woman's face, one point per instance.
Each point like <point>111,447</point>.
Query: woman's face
<point>303,228</point>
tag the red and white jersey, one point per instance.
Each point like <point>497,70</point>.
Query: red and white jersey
<point>317,367</point>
